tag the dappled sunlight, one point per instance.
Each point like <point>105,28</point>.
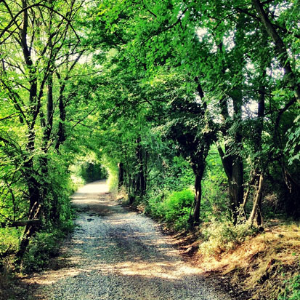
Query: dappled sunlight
<point>49,278</point>
<point>117,247</point>
<point>172,271</point>
<point>167,270</point>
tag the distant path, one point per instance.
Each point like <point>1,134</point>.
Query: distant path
<point>118,254</point>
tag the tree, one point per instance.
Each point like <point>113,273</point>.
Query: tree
<point>39,50</point>
<point>225,46</point>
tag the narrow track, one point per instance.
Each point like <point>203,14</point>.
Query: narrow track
<point>118,254</point>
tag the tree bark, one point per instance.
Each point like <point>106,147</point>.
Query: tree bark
<point>121,175</point>
<point>29,231</point>
<point>50,110</point>
<point>256,209</point>
<point>140,176</point>
<point>198,194</point>
<point>233,166</point>
<point>257,144</point>
<point>62,118</point>
<point>236,188</point>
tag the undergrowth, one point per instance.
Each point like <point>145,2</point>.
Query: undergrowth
<point>9,239</point>
<point>9,244</point>
<point>172,208</point>
<point>221,236</point>
<point>43,246</point>
<point>292,289</point>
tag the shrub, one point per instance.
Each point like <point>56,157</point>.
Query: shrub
<point>9,239</point>
<point>9,244</point>
<point>178,206</point>
<point>173,208</point>
<point>42,247</point>
<point>222,236</point>
<point>154,206</point>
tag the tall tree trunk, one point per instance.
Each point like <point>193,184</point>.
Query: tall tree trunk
<point>236,188</point>
<point>140,178</point>
<point>231,159</point>
<point>258,145</point>
<point>50,209</point>
<point>256,209</point>
<point>121,177</point>
<point>33,188</point>
<point>198,163</point>
<point>50,111</point>
<point>33,185</point>
<point>62,114</point>
<point>198,193</point>
<point>61,127</point>
<point>257,172</point>
<point>35,209</point>
<point>234,169</point>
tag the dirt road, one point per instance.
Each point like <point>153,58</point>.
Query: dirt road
<point>118,254</point>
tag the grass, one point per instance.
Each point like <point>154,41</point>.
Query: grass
<point>263,265</point>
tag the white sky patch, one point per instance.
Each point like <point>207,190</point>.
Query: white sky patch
<point>249,111</point>
<point>85,59</point>
<point>228,41</point>
<point>230,107</point>
<point>250,66</point>
<point>201,33</point>
<point>249,33</point>
<point>281,7</point>
<point>275,71</point>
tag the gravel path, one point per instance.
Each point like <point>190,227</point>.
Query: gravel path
<point>118,254</point>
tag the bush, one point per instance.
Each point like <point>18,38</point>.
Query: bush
<point>42,247</point>
<point>9,239</point>
<point>222,236</point>
<point>173,208</point>
<point>154,206</point>
<point>9,244</point>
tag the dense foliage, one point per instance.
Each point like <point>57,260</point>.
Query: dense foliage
<point>44,111</point>
<point>192,105</point>
<point>197,75</point>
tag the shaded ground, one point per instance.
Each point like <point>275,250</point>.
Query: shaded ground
<point>117,254</point>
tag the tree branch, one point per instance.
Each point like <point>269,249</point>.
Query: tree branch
<point>8,117</point>
<point>280,48</point>
<point>31,6</point>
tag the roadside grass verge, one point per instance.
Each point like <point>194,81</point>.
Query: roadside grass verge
<point>264,265</point>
